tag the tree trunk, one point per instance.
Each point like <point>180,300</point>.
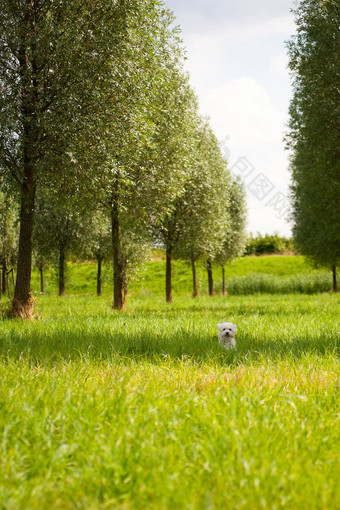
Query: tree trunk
<point>194,279</point>
<point>210,278</point>
<point>13,278</point>
<point>0,283</point>
<point>61,271</point>
<point>23,303</point>
<point>4,271</point>
<point>99,275</point>
<point>119,276</point>
<point>8,286</point>
<point>335,282</point>
<point>168,275</point>
<point>223,282</point>
<point>41,271</point>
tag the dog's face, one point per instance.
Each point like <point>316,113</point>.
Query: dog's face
<point>226,329</point>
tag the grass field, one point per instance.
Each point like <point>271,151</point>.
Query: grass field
<point>248,275</point>
<point>101,409</point>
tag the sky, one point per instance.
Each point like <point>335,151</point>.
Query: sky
<point>237,59</point>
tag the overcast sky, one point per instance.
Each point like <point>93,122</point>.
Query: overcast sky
<point>237,59</point>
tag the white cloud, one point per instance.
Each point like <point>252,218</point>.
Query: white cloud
<point>279,66</point>
<point>243,110</point>
<point>243,107</point>
<point>276,26</point>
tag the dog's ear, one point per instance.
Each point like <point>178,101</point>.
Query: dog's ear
<point>219,326</point>
<point>235,327</point>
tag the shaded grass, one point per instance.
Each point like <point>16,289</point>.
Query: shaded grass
<point>76,326</point>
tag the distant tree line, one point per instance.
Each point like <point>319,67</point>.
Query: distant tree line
<point>102,148</point>
<point>314,132</point>
<point>268,244</point>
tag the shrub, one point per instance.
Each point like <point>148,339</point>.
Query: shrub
<point>269,243</point>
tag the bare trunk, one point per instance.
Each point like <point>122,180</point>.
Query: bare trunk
<point>99,276</point>
<point>210,278</point>
<point>8,277</point>
<point>23,303</point>
<point>3,277</point>
<point>223,282</point>
<point>61,271</point>
<point>335,282</point>
<point>168,276</point>
<point>119,276</point>
<point>8,285</point>
<point>194,279</point>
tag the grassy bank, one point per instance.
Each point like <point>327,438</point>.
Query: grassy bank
<point>248,275</point>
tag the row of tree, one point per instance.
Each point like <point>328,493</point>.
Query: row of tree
<point>63,231</point>
<point>314,131</point>
<point>101,139</point>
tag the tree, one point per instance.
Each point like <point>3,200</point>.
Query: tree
<point>235,237</point>
<point>314,136</point>
<point>194,227</point>
<point>268,243</point>
<point>146,149</point>
<point>56,61</point>
<point>44,240</point>
<point>207,216</point>
<point>60,228</point>
<point>41,263</point>
<point>98,243</point>
<point>42,251</point>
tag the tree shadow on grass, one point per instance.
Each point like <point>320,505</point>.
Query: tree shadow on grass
<point>70,344</point>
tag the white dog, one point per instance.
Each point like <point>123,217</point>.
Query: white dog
<point>226,333</point>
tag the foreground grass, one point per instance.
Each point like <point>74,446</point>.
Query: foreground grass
<point>144,410</point>
<point>171,435</point>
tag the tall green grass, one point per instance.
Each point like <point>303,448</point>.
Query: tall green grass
<point>144,410</point>
<point>101,409</point>
<point>75,327</point>
<point>303,283</point>
<point>181,435</point>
